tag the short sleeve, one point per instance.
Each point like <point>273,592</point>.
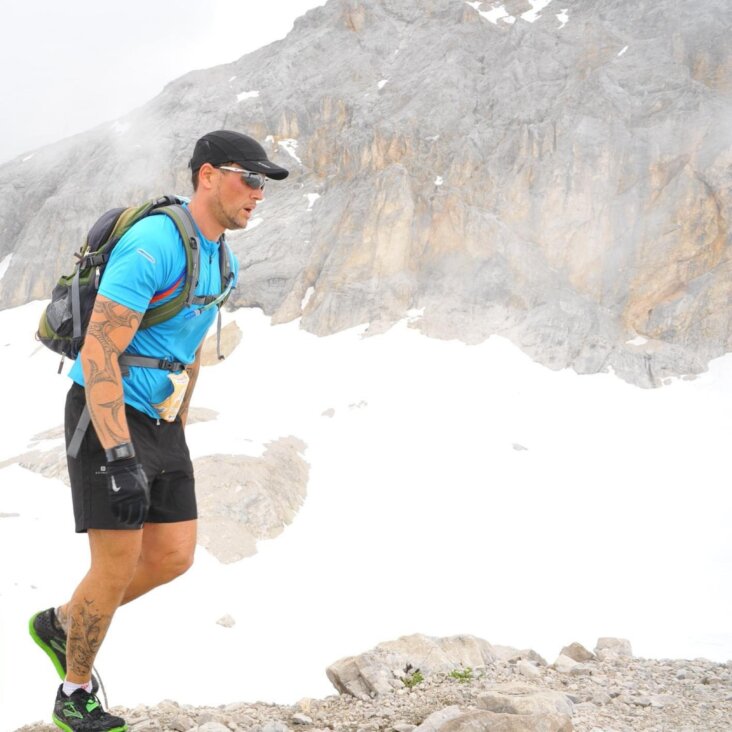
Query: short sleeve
<point>146,260</point>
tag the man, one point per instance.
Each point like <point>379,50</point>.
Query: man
<point>132,481</point>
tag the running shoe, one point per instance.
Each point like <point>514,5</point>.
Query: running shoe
<point>47,632</point>
<point>83,712</point>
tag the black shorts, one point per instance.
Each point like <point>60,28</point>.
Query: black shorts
<point>161,449</point>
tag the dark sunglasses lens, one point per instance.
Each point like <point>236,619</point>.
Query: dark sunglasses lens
<point>254,180</point>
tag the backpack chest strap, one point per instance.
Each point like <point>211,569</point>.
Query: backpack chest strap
<point>149,362</point>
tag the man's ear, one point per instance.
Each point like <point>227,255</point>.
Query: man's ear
<point>206,175</point>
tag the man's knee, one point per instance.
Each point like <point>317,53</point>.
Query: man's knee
<point>179,564</point>
<point>167,550</point>
<point>166,566</point>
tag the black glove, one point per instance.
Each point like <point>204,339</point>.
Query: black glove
<point>129,493</point>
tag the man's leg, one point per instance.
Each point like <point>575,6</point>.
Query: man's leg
<point>114,557</point>
<point>167,552</point>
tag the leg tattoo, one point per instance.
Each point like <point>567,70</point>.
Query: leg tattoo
<point>87,628</point>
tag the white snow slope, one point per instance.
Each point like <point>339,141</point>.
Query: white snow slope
<point>455,489</point>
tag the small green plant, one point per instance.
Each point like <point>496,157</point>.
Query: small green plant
<point>463,675</point>
<point>412,676</point>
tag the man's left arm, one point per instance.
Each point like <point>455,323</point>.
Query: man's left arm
<point>192,371</point>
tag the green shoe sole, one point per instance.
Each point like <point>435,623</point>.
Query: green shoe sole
<point>66,727</point>
<point>48,650</point>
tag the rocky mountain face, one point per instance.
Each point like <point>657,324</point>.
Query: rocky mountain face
<point>561,177</point>
<point>464,684</point>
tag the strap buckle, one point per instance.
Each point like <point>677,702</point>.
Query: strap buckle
<point>168,365</point>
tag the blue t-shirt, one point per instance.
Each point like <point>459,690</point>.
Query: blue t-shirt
<point>149,259</point>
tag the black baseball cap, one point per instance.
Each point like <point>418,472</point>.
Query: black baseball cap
<point>225,146</point>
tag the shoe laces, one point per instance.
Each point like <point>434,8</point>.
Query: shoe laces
<point>88,702</point>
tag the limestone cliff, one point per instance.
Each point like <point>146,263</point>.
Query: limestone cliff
<point>565,180</point>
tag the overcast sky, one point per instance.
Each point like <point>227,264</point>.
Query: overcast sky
<point>67,67</point>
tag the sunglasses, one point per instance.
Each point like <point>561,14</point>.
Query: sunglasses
<point>253,180</point>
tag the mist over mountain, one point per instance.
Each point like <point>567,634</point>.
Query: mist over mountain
<point>561,176</point>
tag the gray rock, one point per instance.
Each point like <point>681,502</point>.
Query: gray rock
<point>564,664</point>
<point>528,669</point>
<point>169,706</point>
<point>659,701</point>
<point>200,414</point>
<point>243,499</point>
<point>275,726</point>
<point>600,698</point>
<point>613,647</point>
<point>382,669</point>
<point>577,652</point>
<point>213,727</point>
<point>307,705</point>
<point>517,699</point>
<point>181,723</point>
<point>438,719</point>
<point>301,718</point>
<point>621,696</point>
<point>583,202</point>
<point>508,654</point>
<point>492,722</point>
<point>641,701</point>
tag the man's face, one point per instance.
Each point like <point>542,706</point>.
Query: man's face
<point>234,201</point>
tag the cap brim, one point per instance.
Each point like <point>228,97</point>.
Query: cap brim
<point>267,168</point>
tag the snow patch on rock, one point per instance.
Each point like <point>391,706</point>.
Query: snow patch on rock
<point>246,95</point>
<point>290,146</point>
<point>5,264</point>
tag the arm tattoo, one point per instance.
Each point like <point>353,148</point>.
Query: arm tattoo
<point>110,331</point>
<point>87,628</point>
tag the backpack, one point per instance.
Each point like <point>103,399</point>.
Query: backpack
<point>64,322</point>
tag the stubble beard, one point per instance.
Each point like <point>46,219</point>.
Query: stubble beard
<point>228,220</point>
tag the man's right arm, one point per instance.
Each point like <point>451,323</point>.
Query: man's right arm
<point>110,331</point>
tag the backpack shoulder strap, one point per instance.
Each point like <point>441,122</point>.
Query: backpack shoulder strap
<point>225,255</point>
<point>183,221</point>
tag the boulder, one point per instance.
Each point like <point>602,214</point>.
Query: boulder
<point>520,699</point>
<point>484,721</point>
<point>381,669</point>
<point>608,648</point>
<point>244,499</point>
<point>438,719</point>
<point>564,664</point>
<point>226,621</point>
<point>577,652</point>
<point>509,654</point>
<point>528,669</point>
